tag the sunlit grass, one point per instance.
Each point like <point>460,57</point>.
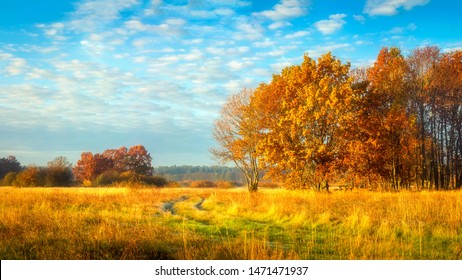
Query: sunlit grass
<point>141,223</point>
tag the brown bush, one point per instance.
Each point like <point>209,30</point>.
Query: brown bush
<point>225,184</point>
<point>203,184</point>
<point>268,185</point>
<point>30,177</point>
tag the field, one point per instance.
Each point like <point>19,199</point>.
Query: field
<point>186,223</point>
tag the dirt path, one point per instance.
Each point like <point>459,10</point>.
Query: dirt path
<point>169,206</point>
<point>199,204</point>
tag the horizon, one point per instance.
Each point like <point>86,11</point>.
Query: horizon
<point>91,75</point>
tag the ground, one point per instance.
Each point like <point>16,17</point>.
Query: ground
<point>184,223</point>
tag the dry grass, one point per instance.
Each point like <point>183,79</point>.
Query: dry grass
<point>179,223</point>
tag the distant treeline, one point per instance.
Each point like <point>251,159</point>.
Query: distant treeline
<point>209,173</point>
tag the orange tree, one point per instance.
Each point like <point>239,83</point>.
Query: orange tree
<point>303,112</point>
<point>384,143</point>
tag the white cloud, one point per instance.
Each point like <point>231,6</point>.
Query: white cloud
<point>320,50</point>
<point>247,29</point>
<point>279,24</point>
<point>401,30</point>
<point>153,8</point>
<point>92,13</point>
<point>265,43</point>
<point>298,34</point>
<point>278,66</point>
<point>231,3</point>
<point>223,52</point>
<point>453,47</point>
<point>390,7</point>
<point>219,12</point>
<point>171,26</point>
<point>236,65</point>
<point>17,66</point>
<point>286,9</point>
<point>359,18</point>
<point>331,25</point>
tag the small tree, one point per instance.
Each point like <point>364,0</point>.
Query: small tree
<point>58,172</point>
<point>236,132</point>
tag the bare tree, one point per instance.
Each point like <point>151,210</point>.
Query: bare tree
<point>236,131</point>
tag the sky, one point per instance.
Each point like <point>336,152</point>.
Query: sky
<point>89,75</point>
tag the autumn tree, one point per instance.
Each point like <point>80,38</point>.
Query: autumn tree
<point>139,160</point>
<point>136,159</point>
<point>422,64</point>
<point>303,111</point>
<point>446,122</point>
<point>89,166</point>
<point>119,158</point>
<point>236,132</point>
<point>387,126</point>
<point>397,123</point>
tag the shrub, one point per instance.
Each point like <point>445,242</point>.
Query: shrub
<point>107,178</point>
<point>173,184</point>
<point>225,184</point>
<point>154,180</point>
<point>57,177</point>
<point>9,178</point>
<point>129,176</point>
<point>29,177</point>
<point>203,184</point>
<point>268,185</point>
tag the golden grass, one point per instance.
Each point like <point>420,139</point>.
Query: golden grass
<point>127,223</point>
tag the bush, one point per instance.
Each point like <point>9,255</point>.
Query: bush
<point>154,181</point>
<point>30,177</point>
<point>57,176</point>
<point>225,184</point>
<point>268,185</point>
<point>107,178</point>
<point>9,179</point>
<point>203,184</point>
<point>130,177</point>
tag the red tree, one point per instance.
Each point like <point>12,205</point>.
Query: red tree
<point>90,166</point>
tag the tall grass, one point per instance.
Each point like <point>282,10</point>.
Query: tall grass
<point>128,223</point>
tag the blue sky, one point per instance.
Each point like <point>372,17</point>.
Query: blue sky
<point>95,74</point>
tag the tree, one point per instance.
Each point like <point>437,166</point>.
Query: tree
<point>9,164</point>
<point>89,166</point>
<point>236,131</point>
<point>136,159</point>
<point>422,64</point>
<point>304,110</point>
<point>446,122</point>
<point>119,157</point>
<point>58,172</point>
<point>386,127</point>
<point>139,160</point>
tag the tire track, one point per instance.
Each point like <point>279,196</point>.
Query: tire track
<point>169,205</point>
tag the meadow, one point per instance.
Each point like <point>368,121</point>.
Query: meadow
<point>185,223</point>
